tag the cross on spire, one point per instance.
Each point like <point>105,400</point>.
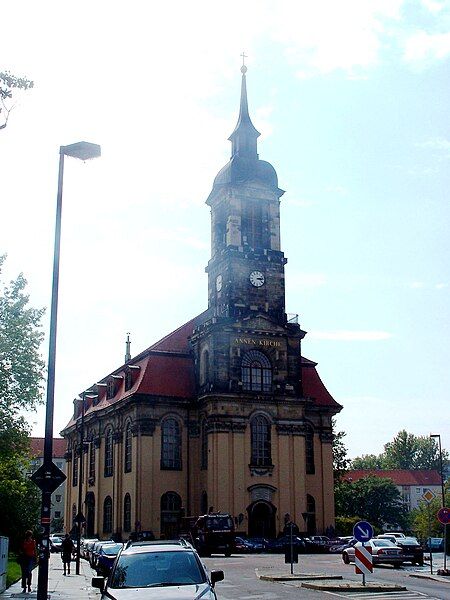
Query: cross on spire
<point>243,68</point>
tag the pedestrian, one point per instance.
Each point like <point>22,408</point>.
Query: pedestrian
<point>28,559</point>
<point>67,549</point>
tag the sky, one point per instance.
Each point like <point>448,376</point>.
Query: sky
<point>352,101</point>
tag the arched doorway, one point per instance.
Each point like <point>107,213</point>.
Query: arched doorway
<point>170,515</point>
<point>261,519</point>
<point>90,514</point>
<point>310,515</point>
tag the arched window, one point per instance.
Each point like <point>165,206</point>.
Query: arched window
<point>128,449</point>
<point>170,444</point>
<point>204,503</point>
<point>261,444</point>
<point>75,467</point>
<point>92,460</point>
<point>107,515</point>
<point>127,513</point>
<point>256,372</point>
<point>109,453</point>
<point>310,514</point>
<point>170,514</point>
<point>309,450</point>
<point>204,367</point>
<point>204,446</point>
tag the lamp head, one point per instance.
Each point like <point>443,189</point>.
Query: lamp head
<point>81,150</point>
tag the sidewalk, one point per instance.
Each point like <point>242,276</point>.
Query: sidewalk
<point>60,587</point>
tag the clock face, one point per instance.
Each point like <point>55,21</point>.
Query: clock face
<point>219,283</point>
<point>257,278</point>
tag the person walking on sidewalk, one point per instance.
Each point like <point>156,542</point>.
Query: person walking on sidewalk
<point>67,549</point>
<point>28,559</point>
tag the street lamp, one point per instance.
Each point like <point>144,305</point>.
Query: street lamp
<point>82,151</point>
<point>441,470</point>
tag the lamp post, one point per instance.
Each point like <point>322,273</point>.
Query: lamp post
<point>438,436</point>
<point>82,151</point>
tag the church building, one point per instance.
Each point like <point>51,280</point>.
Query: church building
<point>224,413</point>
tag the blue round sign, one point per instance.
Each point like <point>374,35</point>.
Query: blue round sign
<point>363,531</point>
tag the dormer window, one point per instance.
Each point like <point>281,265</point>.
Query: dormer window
<point>128,380</point>
<point>110,389</point>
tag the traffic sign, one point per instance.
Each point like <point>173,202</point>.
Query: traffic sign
<point>428,496</point>
<point>363,531</point>
<point>443,516</point>
<point>363,560</point>
<point>48,478</point>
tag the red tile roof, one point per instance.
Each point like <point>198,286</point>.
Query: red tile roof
<point>399,476</point>
<point>167,369</point>
<point>37,447</point>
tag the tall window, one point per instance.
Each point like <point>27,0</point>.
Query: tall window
<point>128,449</point>
<point>256,372</point>
<point>204,367</point>
<point>74,513</point>
<point>170,514</point>
<point>170,444</point>
<point>203,446</point>
<point>252,227</point>
<point>127,513</point>
<point>108,453</point>
<point>107,515</point>
<point>261,445</point>
<point>128,379</point>
<point>75,467</point>
<point>309,450</point>
<point>92,460</point>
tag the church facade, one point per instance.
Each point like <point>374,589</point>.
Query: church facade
<point>224,413</point>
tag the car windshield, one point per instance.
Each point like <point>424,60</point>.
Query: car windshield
<point>153,569</point>
<point>382,543</point>
<point>409,541</point>
<point>111,550</point>
<point>56,540</point>
<point>219,523</point>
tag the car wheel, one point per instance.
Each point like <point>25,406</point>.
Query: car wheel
<point>227,552</point>
<point>346,559</point>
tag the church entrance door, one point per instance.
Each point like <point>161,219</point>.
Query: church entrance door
<point>261,519</point>
<point>90,514</point>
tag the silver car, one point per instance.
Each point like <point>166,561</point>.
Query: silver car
<point>169,570</point>
<point>383,552</point>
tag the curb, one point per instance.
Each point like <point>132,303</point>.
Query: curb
<point>440,578</point>
<point>299,577</point>
<point>355,587</point>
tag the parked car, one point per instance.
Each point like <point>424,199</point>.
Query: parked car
<point>96,549</point>
<point>87,548</point>
<point>342,544</point>
<point>106,557</point>
<point>281,543</point>
<point>412,550</point>
<point>259,543</point>
<point>55,543</point>
<point>243,544</point>
<point>434,544</point>
<point>84,545</point>
<point>397,534</point>
<point>383,552</point>
<point>154,570</point>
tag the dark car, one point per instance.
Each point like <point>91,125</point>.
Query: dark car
<point>106,557</point>
<point>412,550</point>
<point>284,541</point>
<point>259,543</point>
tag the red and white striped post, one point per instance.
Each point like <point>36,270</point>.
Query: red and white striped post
<point>363,561</point>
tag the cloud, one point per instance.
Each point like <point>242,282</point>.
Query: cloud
<point>425,47</point>
<point>416,285</point>
<point>440,146</point>
<point>420,285</point>
<point>350,336</point>
<point>441,286</point>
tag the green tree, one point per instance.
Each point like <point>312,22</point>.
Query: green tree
<point>21,389</point>
<point>371,498</point>
<point>8,83</point>
<point>424,522</point>
<point>341,463</point>
<point>406,451</point>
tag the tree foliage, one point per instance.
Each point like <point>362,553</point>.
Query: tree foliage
<point>21,388</point>
<point>424,520</point>
<point>8,83</point>
<point>405,451</point>
<point>341,463</point>
<point>371,498</point>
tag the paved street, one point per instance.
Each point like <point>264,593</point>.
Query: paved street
<point>241,581</point>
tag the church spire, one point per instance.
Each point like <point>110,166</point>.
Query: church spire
<point>244,136</point>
